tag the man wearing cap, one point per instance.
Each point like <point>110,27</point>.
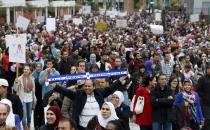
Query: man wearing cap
<point>16,103</point>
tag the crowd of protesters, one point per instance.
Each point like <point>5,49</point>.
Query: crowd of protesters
<point>171,71</point>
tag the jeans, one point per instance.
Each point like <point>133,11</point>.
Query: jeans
<point>162,126</point>
<point>27,110</point>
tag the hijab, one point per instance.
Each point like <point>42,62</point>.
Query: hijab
<point>102,121</point>
<point>92,61</point>
<point>10,121</point>
<point>121,97</point>
<point>56,110</point>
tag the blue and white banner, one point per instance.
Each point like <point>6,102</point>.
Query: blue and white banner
<point>88,75</point>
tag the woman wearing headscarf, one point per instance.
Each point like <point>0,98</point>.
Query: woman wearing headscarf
<point>100,121</point>
<point>92,60</point>
<point>122,110</point>
<point>12,119</point>
<point>53,117</point>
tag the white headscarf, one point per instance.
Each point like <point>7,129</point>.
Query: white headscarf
<point>102,121</point>
<point>11,117</point>
<point>121,97</point>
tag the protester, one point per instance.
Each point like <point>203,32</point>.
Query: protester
<point>188,109</point>
<point>90,99</point>
<point>122,110</point>
<point>25,89</point>
<point>162,103</point>
<point>12,119</point>
<point>4,112</point>
<point>16,102</point>
<point>53,116</point>
<point>203,91</point>
<point>100,121</point>
<point>67,124</point>
<point>144,119</point>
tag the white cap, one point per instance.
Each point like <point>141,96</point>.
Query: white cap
<point>4,82</point>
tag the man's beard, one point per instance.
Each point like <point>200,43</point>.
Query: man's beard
<point>2,123</point>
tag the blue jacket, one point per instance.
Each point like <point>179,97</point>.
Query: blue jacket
<point>43,73</point>
<point>179,99</point>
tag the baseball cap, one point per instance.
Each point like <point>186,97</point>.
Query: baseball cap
<point>4,82</point>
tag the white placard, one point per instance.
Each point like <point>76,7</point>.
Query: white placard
<point>156,29</point>
<point>121,23</point>
<point>86,9</point>
<point>40,19</point>
<point>102,11</point>
<point>17,47</point>
<point>194,18</point>
<point>22,22</point>
<point>157,16</point>
<point>77,21</point>
<point>67,17</point>
<point>50,25</point>
<point>122,14</point>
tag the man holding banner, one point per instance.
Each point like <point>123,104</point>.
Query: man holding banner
<point>88,102</point>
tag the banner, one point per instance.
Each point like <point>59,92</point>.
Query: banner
<point>121,23</point>
<point>17,47</point>
<point>50,24</point>
<point>22,22</point>
<point>88,75</point>
<point>156,29</point>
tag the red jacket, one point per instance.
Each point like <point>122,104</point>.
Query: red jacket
<point>145,118</point>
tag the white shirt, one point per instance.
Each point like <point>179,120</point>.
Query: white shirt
<point>90,109</point>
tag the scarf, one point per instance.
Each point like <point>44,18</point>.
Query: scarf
<point>191,109</point>
<point>27,84</point>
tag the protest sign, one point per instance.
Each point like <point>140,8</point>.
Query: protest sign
<point>156,29</point>
<point>86,9</point>
<point>17,47</point>
<point>101,26</point>
<point>22,22</point>
<point>157,16</point>
<point>40,19</point>
<point>194,18</point>
<point>67,17</point>
<point>121,23</point>
<point>77,21</point>
<point>50,24</point>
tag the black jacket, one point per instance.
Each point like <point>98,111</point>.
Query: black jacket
<point>204,93</point>
<point>124,113</point>
<point>162,107</point>
<point>16,104</point>
<point>47,127</point>
<point>79,97</point>
<point>93,124</point>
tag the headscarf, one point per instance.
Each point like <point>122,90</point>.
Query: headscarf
<point>56,110</point>
<point>121,97</point>
<point>92,61</point>
<point>102,121</point>
<point>11,116</point>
